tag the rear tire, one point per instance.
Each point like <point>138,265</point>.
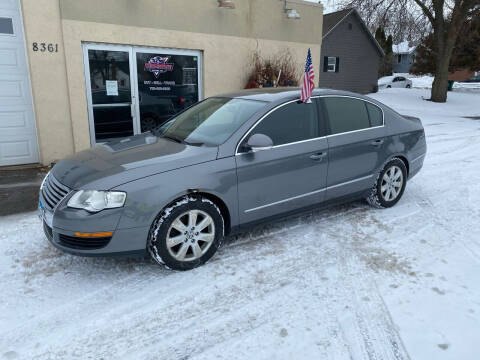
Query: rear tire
<point>389,86</point>
<point>408,86</point>
<point>186,234</point>
<point>390,185</point>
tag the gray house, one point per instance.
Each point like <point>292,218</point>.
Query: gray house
<point>403,57</point>
<point>350,55</point>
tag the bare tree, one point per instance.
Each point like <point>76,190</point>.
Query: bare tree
<point>444,17</point>
<point>399,18</point>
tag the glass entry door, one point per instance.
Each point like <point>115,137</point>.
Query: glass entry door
<point>111,100</point>
<point>135,89</point>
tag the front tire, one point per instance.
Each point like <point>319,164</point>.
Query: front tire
<point>390,185</point>
<point>186,234</point>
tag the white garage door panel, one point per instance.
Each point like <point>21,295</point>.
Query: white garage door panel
<point>8,59</point>
<point>15,150</point>
<point>18,139</point>
<point>9,4</point>
<point>12,120</point>
<point>12,90</point>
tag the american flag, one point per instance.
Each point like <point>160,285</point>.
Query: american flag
<point>308,80</point>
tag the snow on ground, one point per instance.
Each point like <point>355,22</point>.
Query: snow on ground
<point>425,82</point>
<point>351,282</point>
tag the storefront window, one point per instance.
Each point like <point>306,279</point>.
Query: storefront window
<point>167,84</point>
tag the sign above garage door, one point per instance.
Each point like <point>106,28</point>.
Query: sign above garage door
<point>18,138</point>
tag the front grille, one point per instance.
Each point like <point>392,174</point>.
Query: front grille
<point>53,192</point>
<point>48,231</point>
<point>83,243</point>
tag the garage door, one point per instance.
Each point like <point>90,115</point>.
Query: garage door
<point>18,139</point>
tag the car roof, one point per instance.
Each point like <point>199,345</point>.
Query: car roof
<point>282,93</point>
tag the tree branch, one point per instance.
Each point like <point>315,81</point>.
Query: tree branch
<point>426,11</point>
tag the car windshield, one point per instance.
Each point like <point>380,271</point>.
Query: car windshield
<point>210,122</point>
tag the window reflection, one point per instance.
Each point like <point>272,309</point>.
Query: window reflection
<point>167,84</point>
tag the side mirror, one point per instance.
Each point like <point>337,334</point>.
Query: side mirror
<point>259,142</point>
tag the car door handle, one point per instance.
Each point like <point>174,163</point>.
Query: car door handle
<point>318,156</point>
<point>377,143</point>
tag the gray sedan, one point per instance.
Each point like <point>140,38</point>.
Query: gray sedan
<point>224,164</point>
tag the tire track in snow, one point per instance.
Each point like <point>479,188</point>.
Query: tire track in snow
<point>206,308</point>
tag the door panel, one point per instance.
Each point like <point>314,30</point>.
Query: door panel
<point>110,86</point>
<point>281,179</point>
<point>355,147</point>
<point>18,137</point>
<point>353,160</point>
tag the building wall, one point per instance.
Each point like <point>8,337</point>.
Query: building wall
<point>404,65</point>
<point>227,39</point>
<point>359,58</point>
<point>48,75</point>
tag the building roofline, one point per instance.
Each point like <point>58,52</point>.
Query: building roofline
<point>365,27</point>
<point>308,3</point>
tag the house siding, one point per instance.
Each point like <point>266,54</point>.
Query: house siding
<point>358,57</point>
<point>405,64</point>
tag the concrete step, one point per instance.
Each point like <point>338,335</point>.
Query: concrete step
<point>19,189</point>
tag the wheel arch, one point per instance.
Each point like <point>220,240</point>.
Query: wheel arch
<point>225,212</point>
<point>404,159</point>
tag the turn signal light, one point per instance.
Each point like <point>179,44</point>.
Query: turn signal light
<point>94,235</point>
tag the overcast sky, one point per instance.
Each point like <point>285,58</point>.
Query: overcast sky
<point>329,5</point>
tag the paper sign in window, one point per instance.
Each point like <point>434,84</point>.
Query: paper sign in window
<point>112,87</point>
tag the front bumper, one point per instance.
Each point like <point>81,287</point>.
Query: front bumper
<point>125,242</point>
<point>61,224</point>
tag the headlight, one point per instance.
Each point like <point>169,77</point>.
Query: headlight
<point>94,201</point>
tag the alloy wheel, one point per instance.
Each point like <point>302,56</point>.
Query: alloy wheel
<point>392,183</point>
<point>190,235</point>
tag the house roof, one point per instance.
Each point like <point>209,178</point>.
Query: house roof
<point>403,48</point>
<point>332,20</point>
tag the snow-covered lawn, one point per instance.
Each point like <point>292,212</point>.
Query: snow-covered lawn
<point>351,282</point>
<point>425,82</point>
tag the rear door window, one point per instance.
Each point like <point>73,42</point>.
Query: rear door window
<point>290,123</point>
<point>346,114</point>
<point>375,114</point>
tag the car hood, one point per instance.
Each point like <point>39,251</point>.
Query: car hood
<point>106,166</point>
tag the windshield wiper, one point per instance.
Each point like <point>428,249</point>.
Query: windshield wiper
<point>180,141</point>
<point>173,138</point>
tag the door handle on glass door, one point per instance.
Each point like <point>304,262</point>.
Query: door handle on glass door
<point>318,156</point>
<point>377,142</point>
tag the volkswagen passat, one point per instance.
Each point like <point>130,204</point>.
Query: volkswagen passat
<point>226,163</point>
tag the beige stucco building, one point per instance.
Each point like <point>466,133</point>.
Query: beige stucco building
<point>82,72</point>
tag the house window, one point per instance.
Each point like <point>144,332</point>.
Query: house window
<point>399,58</point>
<point>332,64</point>
<point>6,26</point>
